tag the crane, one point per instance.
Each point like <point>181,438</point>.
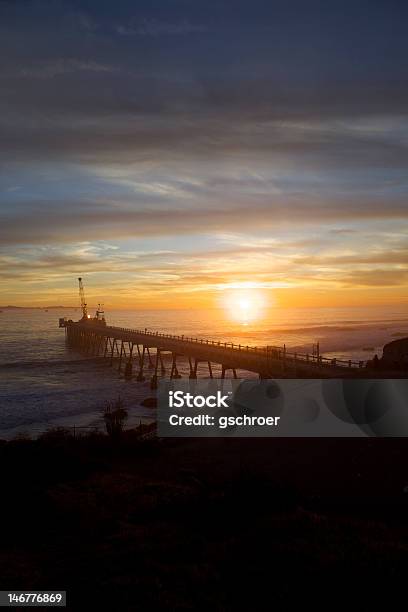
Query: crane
<point>99,317</point>
<point>84,307</point>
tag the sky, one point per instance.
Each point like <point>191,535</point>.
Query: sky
<point>172,151</point>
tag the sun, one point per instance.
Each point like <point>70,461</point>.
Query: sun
<point>244,305</point>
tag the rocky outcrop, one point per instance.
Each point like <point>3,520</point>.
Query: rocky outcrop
<point>394,357</point>
<point>396,353</point>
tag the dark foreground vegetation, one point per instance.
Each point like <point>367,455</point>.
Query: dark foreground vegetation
<point>205,524</point>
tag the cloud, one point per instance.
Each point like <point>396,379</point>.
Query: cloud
<point>187,272</point>
<point>377,278</point>
<point>143,123</point>
<point>106,134</point>
<point>43,222</point>
<point>153,27</point>
<point>396,256</point>
<point>51,68</point>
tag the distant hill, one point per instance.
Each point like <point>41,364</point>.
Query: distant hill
<point>35,307</point>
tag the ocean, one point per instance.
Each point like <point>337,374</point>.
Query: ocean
<point>43,383</point>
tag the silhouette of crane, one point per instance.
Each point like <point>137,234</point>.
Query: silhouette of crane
<point>99,317</point>
<point>84,307</point>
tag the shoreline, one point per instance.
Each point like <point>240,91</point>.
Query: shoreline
<point>89,421</point>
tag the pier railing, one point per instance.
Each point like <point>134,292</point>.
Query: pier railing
<point>270,351</point>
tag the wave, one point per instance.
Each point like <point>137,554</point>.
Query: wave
<point>41,363</point>
<point>316,328</point>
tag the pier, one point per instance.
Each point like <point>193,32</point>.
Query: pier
<point>136,351</point>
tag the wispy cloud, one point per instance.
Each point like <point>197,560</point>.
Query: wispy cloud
<point>153,27</point>
<point>102,220</point>
<point>50,68</point>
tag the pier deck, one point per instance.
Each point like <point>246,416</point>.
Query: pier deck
<point>133,347</point>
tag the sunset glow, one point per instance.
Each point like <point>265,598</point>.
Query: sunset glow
<point>164,181</point>
<point>244,305</point>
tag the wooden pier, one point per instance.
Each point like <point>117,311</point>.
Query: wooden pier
<point>137,350</point>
